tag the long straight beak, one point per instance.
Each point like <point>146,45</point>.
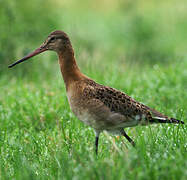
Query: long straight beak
<point>34,53</point>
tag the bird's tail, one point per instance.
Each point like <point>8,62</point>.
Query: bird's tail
<point>165,120</point>
<point>158,117</point>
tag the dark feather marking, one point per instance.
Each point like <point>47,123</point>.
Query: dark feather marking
<point>119,102</point>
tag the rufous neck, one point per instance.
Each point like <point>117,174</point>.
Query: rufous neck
<point>69,68</point>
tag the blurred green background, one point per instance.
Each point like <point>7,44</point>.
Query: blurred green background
<point>121,30</point>
<point>137,46</point>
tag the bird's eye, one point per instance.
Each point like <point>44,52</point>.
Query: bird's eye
<point>52,39</point>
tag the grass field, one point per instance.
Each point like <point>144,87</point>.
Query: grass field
<point>40,138</point>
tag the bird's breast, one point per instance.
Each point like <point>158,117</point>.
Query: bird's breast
<point>82,112</point>
<point>86,109</point>
<point>78,105</point>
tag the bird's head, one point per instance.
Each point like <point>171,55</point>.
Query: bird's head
<point>56,41</point>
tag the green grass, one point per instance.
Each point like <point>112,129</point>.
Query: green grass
<point>40,138</point>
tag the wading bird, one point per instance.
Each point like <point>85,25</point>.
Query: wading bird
<point>99,106</point>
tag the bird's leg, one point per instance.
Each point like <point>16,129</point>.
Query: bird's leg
<point>96,141</point>
<point>127,137</point>
<point>96,144</point>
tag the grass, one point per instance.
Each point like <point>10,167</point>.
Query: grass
<point>40,138</point>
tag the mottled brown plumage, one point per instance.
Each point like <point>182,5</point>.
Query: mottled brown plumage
<point>101,107</point>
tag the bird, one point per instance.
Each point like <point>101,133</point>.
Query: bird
<point>101,107</point>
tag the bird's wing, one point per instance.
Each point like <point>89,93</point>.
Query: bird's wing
<point>119,102</point>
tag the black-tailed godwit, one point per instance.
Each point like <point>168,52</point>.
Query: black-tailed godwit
<point>99,106</point>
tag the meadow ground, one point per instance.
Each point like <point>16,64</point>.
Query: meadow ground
<point>40,138</point>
